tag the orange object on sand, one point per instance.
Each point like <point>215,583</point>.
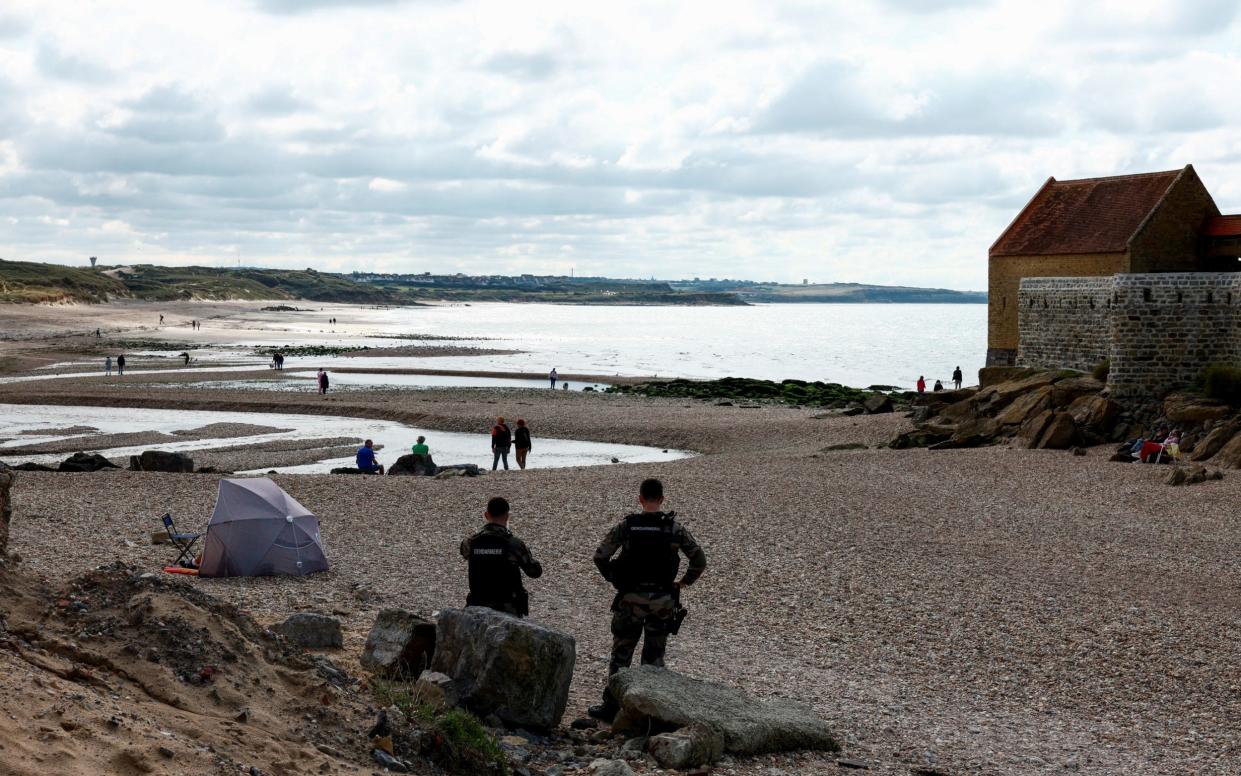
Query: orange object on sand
<point>179,570</point>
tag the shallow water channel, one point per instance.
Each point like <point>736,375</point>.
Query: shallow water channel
<point>25,425</point>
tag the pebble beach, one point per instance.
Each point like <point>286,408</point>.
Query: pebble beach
<point>979,611</point>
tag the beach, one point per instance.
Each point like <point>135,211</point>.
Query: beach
<point>990,610</point>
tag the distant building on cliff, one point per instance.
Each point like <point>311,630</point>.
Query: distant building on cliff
<point>1159,222</point>
<point>1140,271</point>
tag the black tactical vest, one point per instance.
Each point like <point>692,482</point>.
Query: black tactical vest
<point>494,578</point>
<point>649,561</point>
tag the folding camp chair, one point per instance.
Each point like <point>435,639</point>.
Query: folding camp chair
<point>182,541</point>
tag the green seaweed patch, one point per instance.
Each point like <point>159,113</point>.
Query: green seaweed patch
<point>799,392</point>
<point>311,350</point>
<point>844,446</point>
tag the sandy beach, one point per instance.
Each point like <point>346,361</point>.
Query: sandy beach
<point>969,611</point>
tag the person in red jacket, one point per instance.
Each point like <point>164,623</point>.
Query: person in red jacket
<point>921,384</point>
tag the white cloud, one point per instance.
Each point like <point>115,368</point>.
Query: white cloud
<point>885,142</point>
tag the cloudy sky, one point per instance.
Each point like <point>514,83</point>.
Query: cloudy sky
<point>886,141</point>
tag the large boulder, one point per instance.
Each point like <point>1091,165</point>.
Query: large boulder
<point>161,461</point>
<point>6,507</point>
<point>1095,413</point>
<point>653,698</point>
<point>975,432</point>
<point>413,465</point>
<point>877,404</point>
<point>400,644</point>
<point>1025,407</point>
<point>998,396</point>
<point>1189,409</point>
<point>1229,456</point>
<point>1065,392</point>
<point>1213,442</point>
<point>518,670</point>
<point>312,631</point>
<point>86,462</point>
<point>1060,433</point>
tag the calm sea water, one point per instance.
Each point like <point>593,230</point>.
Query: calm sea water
<point>854,344</point>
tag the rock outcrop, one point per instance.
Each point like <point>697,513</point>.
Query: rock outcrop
<point>658,699</point>
<point>312,631</point>
<point>161,461</point>
<point>515,669</point>
<point>413,465</point>
<point>86,462</point>
<point>400,644</point>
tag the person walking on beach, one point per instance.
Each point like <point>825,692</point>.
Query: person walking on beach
<point>186,356</point>
<point>501,441</point>
<point>648,594</point>
<point>107,366</point>
<point>956,378</point>
<point>921,384</point>
<point>161,319</point>
<point>521,442</point>
<point>497,560</point>
<point>279,358</point>
<point>553,377</point>
<point>366,461</point>
<point>120,365</point>
<point>323,382</point>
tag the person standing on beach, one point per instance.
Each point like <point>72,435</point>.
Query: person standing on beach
<point>648,594</point>
<point>497,560</point>
<point>521,441</point>
<point>107,366</point>
<point>120,365</point>
<point>186,356</point>
<point>322,380</point>
<point>161,319</point>
<point>956,378</point>
<point>921,384</point>
<point>553,377</point>
<point>501,441</point>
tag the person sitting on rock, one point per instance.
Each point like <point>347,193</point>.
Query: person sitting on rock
<point>366,459</point>
<point>420,447</point>
<point>497,560</point>
<point>939,386</point>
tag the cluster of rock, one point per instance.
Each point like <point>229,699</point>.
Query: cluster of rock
<point>730,389</point>
<point>418,465</point>
<point>1052,410</point>
<point>148,461</point>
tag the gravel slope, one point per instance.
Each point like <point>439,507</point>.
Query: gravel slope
<point>975,611</point>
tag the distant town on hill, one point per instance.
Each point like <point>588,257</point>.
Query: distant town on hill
<point>36,282</point>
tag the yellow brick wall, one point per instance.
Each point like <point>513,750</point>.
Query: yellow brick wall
<point>1005,274</point>
<point>1169,240</point>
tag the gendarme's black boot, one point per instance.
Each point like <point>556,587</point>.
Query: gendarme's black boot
<point>604,712</point>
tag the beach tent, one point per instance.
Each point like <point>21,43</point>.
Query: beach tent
<point>259,530</point>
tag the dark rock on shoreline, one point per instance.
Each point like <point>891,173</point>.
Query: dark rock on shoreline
<point>86,462</point>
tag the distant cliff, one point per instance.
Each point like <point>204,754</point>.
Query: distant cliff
<point>858,293</point>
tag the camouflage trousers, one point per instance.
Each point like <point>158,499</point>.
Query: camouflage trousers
<point>635,615</point>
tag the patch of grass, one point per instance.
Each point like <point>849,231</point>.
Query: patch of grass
<point>1101,370</point>
<point>1222,382</point>
<point>463,744</point>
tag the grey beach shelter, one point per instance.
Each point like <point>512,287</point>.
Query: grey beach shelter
<point>258,530</point>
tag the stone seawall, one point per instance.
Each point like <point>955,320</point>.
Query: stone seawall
<point>1157,330</point>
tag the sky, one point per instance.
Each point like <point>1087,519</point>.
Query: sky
<point>886,141</point>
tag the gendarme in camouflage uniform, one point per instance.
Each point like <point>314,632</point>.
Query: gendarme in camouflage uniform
<point>644,576</point>
<point>497,560</point>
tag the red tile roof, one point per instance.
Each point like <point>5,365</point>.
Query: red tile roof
<point>1223,226</point>
<point>1092,215</point>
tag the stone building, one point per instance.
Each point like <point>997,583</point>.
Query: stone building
<point>1098,227</point>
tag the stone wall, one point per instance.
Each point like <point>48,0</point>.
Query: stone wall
<point>1004,276</point>
<point>1158,330</point>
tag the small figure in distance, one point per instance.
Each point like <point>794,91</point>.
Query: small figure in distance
<point>366,459</point>
<point>921,384</point>
<point>161,319</point>
<point>497,560</point>
<point>322,380</point>
<point>648,594</point>
<point>956,378</point>
<point>501,441</point>
<point>107,366</point>
<point>939,386</point>
<point>521,441</point>
<point>186,356</point>
<point>120,365</point>
<point>553,377</point>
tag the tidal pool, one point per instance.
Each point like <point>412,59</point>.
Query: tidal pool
<point>22,424</point>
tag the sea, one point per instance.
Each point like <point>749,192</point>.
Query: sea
<point>853,344</point>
